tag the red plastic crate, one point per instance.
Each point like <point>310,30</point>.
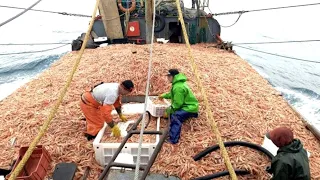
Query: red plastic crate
<point>37,165</point>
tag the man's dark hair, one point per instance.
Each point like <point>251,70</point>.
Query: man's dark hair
<point>128,85</point>
<point>173,72</point>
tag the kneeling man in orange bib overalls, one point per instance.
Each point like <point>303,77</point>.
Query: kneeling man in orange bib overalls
<point>96,106</point>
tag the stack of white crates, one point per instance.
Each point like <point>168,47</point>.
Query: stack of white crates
<point>156,110</point>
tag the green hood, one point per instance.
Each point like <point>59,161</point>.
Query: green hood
<point>182,98</point>
<point>179,78</point>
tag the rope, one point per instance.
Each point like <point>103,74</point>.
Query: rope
<point>208,108</point>
<point>115,17</point>
<point>53,111</point>
<point>298,59</point>
<point>16,16</point>
<point>28,52</point>
<point>205,17</point>
<point>54,12</point>
<point>127,19</point>
<point>29,44</point>
<point>278,42</point>
<point>266,9</point>
<point>137,170</point>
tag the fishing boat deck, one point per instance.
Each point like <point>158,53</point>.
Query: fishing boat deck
<point>244,104</point>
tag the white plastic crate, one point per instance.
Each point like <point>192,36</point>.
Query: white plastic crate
<point>104,151</point>
<point>156,110</point>
<point>272,148</point>
<point>130,109</point>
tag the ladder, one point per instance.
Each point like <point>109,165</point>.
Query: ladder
<point>133,130</point>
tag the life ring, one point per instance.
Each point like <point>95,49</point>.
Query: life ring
<point>132,8</point>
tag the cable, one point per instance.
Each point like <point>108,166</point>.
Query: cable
<point>136,174</point>
<point>305,60</point>
<point>54,12</point>
<point>283,7</point>
<point>229,25</point>
<point>28,52</point>
<point>278,42</point>
<point>61,13</point>
<point>233,23</point>
<point>54,110</point>
<point>16,16</point>
<point>29,44</point>
<point>266,9</point>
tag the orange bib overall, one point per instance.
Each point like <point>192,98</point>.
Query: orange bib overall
<point>96,114</point>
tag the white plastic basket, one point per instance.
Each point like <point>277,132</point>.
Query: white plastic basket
<point>104,151</point>
<point>156,110</point>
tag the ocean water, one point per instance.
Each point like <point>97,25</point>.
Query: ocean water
<point>36,27</point>
<point>297,80</point>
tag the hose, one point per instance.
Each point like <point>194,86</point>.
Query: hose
<point>230,144</point>
<point>223,173</point>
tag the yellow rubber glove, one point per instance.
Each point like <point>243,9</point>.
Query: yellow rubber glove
<point>116,131</point>
<point>123,118</point>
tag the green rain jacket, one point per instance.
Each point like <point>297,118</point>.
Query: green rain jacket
<point>181,96</point>
<point>291,163</point>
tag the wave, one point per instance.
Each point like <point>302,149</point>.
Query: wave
<point>26,66</point>
<point>15,72</point>
<point>307,92</point>
<point>313,74</point>
<point>267,37</point>
<point>258,56</point>
<point>259,66</point>
<point>304,101</point>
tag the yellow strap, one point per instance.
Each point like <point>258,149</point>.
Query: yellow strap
<point>215,129</point>
<point>46,124</point>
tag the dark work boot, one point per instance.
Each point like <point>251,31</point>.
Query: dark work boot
<point>89,137</point>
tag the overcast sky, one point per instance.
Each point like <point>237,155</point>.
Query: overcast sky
<point>86,6</point>
<point>302,20</point>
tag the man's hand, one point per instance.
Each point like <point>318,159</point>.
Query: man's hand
<point>116,131</point>
<point>160,97</point>
<point>123,118</point>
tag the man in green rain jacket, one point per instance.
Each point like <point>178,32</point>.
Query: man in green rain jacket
<point>291,161</point>
<point>184,104</point>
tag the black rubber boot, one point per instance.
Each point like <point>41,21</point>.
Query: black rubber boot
<point>89,137</point>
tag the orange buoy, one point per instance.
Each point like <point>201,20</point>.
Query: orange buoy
<point>132,8</point>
